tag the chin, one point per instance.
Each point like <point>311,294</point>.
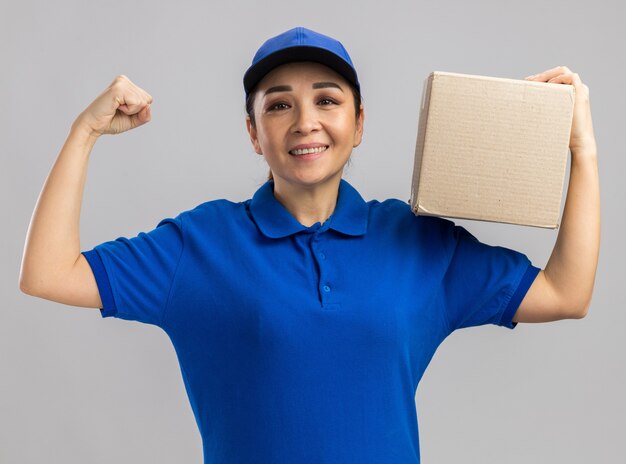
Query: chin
<point>312,179</point>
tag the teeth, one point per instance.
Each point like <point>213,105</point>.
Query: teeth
<point>307,151</point>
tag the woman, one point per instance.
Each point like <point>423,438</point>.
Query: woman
<point>304,317</point>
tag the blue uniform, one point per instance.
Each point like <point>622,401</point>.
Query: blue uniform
<point>306,344</point>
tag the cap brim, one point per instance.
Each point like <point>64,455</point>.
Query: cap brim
<point>299,53</point>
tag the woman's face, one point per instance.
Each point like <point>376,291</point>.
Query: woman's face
<point>305,123</point>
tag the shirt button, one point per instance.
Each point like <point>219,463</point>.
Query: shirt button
<point>326,288</point>
<point>322,255</point>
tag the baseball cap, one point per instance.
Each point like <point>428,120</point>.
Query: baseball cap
<point>299,44</point>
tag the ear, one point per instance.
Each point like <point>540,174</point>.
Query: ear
<point>253,136</point>
<point>358,133</point>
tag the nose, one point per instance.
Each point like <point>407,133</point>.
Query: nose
<point>306,119</point>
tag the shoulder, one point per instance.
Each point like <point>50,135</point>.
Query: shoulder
<point>393,212</point>
<point>221,208</point>
<point>209,214</point>
<point>392,221</point>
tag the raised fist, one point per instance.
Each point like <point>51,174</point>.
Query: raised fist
<point>121,107</point>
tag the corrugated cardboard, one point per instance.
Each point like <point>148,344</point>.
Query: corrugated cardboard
<point>492,149</point>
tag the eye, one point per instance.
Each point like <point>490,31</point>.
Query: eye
<point>327,101</point>
<point>277,106</point>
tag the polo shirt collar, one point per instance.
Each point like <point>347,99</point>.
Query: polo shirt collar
<point>275,221</point>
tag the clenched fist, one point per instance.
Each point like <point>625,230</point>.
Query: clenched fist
<point>121,107</point>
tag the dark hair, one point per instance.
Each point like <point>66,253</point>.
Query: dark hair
<point>250,109</point>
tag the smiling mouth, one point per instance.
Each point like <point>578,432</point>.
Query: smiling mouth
<point>308,151</point>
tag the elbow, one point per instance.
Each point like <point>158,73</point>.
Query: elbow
<point>582,311</point>
<point>26,281</point>
<point>29,285</point>
<point>26,287</point>
<point>578,309</point>
<point>578,314</point>
<point>572,303</point>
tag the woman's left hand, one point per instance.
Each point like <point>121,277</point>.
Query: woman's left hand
<point>582,139</point>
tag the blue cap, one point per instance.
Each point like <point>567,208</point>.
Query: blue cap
<point>299,44</point>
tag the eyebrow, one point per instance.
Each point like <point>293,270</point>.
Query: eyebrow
<point>324,85</point>
<point>288,88</point>
<point>279,88</point>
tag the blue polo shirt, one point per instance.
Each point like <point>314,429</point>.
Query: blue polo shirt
<point>306,344</point>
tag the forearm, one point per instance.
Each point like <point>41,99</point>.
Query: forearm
<point>53,238</point>
<point>572,266</point>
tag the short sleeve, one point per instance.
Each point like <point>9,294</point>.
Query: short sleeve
<point>484,284</point>
<point>135,275</point>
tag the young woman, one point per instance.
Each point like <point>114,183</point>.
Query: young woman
<point>304,317</point>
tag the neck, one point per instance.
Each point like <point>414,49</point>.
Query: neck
<point>308,205</point>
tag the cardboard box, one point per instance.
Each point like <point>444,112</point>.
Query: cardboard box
<point>492,149</point>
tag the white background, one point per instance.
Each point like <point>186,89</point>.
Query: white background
<point>75,388</point>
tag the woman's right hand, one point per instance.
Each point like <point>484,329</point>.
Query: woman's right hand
<point>121,107</point>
